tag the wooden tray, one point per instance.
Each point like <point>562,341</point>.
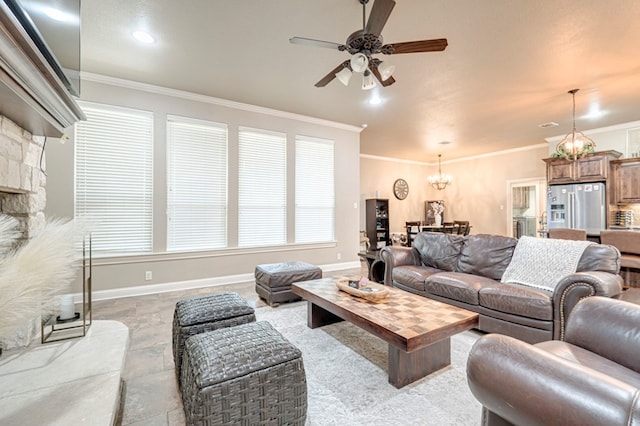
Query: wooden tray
<point>377,293</point>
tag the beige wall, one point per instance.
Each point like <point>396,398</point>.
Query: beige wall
<point>122,272</point>
<point>478,192</point>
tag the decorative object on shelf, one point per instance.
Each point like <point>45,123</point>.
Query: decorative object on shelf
<point>71,324</point>
<point>398,239</point>
<point>400,189</point>
<point>365,244</point>
<point>432,208</point>
<point>574,145</point>
<point>439,181</point>
<point>364,43</point>
<point>438,209</point>
<point>32,274</point>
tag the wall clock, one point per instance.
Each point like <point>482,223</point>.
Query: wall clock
<point>400,189</point>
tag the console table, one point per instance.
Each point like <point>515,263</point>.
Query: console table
<point>375,265</point>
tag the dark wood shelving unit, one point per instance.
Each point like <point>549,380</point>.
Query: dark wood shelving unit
<point>377,219</point>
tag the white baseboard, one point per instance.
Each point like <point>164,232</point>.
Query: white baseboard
<point>142,290</point>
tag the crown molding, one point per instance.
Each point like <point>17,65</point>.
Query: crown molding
<point>457,160</point>
<point>159,90</point>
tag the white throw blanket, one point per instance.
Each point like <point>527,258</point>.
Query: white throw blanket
<point>543,262</point>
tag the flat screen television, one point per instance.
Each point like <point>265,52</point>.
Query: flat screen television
<point>54,27</point>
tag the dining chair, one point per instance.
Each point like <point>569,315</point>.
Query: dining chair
<point>568,234</point>
<point>413,228</point>
<point>628,242</point>
<point>461,226</point>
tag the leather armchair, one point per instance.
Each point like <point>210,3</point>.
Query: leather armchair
<point>590,378</point>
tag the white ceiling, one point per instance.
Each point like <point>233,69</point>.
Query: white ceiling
<point>508,66</point>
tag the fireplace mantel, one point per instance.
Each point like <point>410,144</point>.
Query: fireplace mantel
<point>31,94</point>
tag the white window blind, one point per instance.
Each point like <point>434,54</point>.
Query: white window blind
<point>197,182</point>
<point>113,177</point>
<point>315,199</point>
<point>262,188</point>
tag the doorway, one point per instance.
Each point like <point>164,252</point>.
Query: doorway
<point>526,206</point>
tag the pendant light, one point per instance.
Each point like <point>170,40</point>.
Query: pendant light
<point>575,145</point>
<point>439,181</point>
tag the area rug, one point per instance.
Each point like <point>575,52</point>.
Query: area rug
<point>347,379</point>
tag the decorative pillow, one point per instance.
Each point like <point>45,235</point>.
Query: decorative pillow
<point>486,255</point>
<point>439,250</point>
<point>543,262</point>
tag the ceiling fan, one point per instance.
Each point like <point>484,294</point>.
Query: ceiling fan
<point>366,42</point>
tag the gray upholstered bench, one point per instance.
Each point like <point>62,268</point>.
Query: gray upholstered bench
<point>248,374</point>
<point>205,313</point>
<point>273,280</point>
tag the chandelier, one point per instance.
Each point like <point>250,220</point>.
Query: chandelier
<point>439,181</point>
<point>575,145</point>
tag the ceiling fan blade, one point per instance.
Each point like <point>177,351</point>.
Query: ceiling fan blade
<point>388,82</point>
<point>378,17</point>
<point>435,45</point>
<point>332,74</point>
<point>315,43</point>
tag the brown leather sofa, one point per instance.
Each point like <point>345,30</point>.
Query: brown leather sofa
<point>591,378</point>
<point>465,271</point>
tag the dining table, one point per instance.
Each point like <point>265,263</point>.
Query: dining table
<point>448,229</point>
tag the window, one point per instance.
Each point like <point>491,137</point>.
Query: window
<point>113,176</point>
<point>197,184</point>
<point>315,200</point>
<point>262,188</point>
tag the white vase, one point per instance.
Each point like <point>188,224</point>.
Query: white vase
<point>438,218</point>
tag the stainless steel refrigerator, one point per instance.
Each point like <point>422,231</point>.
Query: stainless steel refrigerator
<point>577,205</point>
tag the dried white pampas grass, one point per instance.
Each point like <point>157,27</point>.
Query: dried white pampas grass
<point>34,273</point>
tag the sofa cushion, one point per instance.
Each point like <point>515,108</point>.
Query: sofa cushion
<point>457,286</point>
<point>439,250</point>
<point>517,300</point>
<point>413,276</point>
<point>486,255</point>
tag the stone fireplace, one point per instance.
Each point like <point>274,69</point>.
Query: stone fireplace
<point>22,194</point>
<point>22,182</point>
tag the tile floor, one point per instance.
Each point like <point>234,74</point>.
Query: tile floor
<point>151,396</point>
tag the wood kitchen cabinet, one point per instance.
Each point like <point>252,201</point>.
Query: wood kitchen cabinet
<point>591,168</point>
<point>626,180</point>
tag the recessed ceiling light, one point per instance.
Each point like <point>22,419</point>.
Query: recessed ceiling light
<point>365,125</point>
<point>375,100</point>
<point>548,124</point>
<point>444,143</point>
<point>143,37</point>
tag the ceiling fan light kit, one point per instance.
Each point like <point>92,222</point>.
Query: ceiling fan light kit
<point>574,145</point>
<point>368,82</point>
<point>344,75</point>
<point>364,43</point>
<point>359,62</point>
<point>386,69</point>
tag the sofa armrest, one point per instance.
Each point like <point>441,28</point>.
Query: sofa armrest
<point>397,256</point>
<point>607,327</point>
<point>524,384</point>
<point>575,287</point>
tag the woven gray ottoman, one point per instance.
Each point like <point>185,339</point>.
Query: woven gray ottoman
<point>244,375</point>
<point>205,313</point>
<point>273,280</point>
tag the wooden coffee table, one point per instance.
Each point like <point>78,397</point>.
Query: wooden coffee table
<point>417,329</point>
